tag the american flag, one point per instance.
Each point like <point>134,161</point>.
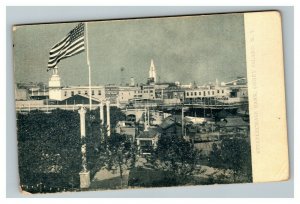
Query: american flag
<point>71,45</point>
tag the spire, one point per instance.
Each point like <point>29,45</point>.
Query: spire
<point>152,63</point>
<point>152,71</point>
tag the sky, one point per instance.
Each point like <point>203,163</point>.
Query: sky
<point>187,49</point>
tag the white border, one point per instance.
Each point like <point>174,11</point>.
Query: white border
<point>137,2</point>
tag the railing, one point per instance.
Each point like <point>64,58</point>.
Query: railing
<point>72,107</point>
<point>212,105</point>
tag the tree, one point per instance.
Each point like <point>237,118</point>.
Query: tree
<point>176,156</point>
<point>234,154</point>
<point>116,115</point>
<point>49,150</point>
<point>121,154</point>
<point>49,147</point>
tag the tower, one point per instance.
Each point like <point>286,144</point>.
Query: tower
<point>152,72</point>
<point>55,88</point>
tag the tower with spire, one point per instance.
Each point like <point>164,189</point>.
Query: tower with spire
<point>152,73</point>
<point>55,87</point>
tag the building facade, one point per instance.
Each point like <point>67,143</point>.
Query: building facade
<point>111,93</point>
<point>97,92</point>
<point>128,93</point>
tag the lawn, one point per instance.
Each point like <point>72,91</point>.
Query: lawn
<point>143,177</point>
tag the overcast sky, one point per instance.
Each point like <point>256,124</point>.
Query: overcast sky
<point>185,49</point>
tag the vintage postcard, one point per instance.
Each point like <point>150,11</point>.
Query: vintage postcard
<point>152,102</point>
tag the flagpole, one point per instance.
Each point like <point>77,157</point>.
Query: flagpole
<point>88,63</point>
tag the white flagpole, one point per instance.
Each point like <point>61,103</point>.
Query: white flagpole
<point>88,63</point>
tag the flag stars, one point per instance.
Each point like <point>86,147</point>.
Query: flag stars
<point>71,45</point>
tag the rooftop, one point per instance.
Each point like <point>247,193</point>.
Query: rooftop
<point>151,133</point>
<point>234,122</point>
<point>169,121</point>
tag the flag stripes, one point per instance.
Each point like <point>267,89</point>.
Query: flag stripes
<point>71,45</point>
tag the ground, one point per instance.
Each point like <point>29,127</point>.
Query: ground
<point>105,179</point>
<point>143,175</point>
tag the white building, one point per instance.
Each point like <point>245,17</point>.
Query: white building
<point>204,92</point>
<point>223,94</point>
<point>128,93</point>
<point>97,92</point>
<point>58,92</point>
<point>148,92</point>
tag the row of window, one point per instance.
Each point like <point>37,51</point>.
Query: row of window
<point>85,92</point>
<point>122,93</point>
<point>151,91</point>
<point>111,92</point>
<point>204,93</point>
<point>145,91</point>
<point>207,98</point>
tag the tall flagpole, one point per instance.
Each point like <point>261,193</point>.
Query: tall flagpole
<point>88,63</point>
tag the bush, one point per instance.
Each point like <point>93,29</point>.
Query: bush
<point>50,150</point>
<point>233,154</point>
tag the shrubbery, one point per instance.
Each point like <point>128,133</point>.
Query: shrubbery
<point>233,154</point>
<point>49,148</point>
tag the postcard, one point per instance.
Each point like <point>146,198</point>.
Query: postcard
<point>150,102</point>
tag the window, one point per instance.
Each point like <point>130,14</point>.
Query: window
<point>218,91</point>
<point>93,92</point>
<point>195,93</point>
<point>191,93</point>
<point>99,92</point>
<point>203,93</point>
<point>187,94</point>
<point>72,93</point>
<point>199,93</point>
<point>213,92</point>
<point>208,93</point>
<point>66,93</point>
<point>79,92</point>
<point>222,91</point>
<point>151,91</point>
<point>85,92</point>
